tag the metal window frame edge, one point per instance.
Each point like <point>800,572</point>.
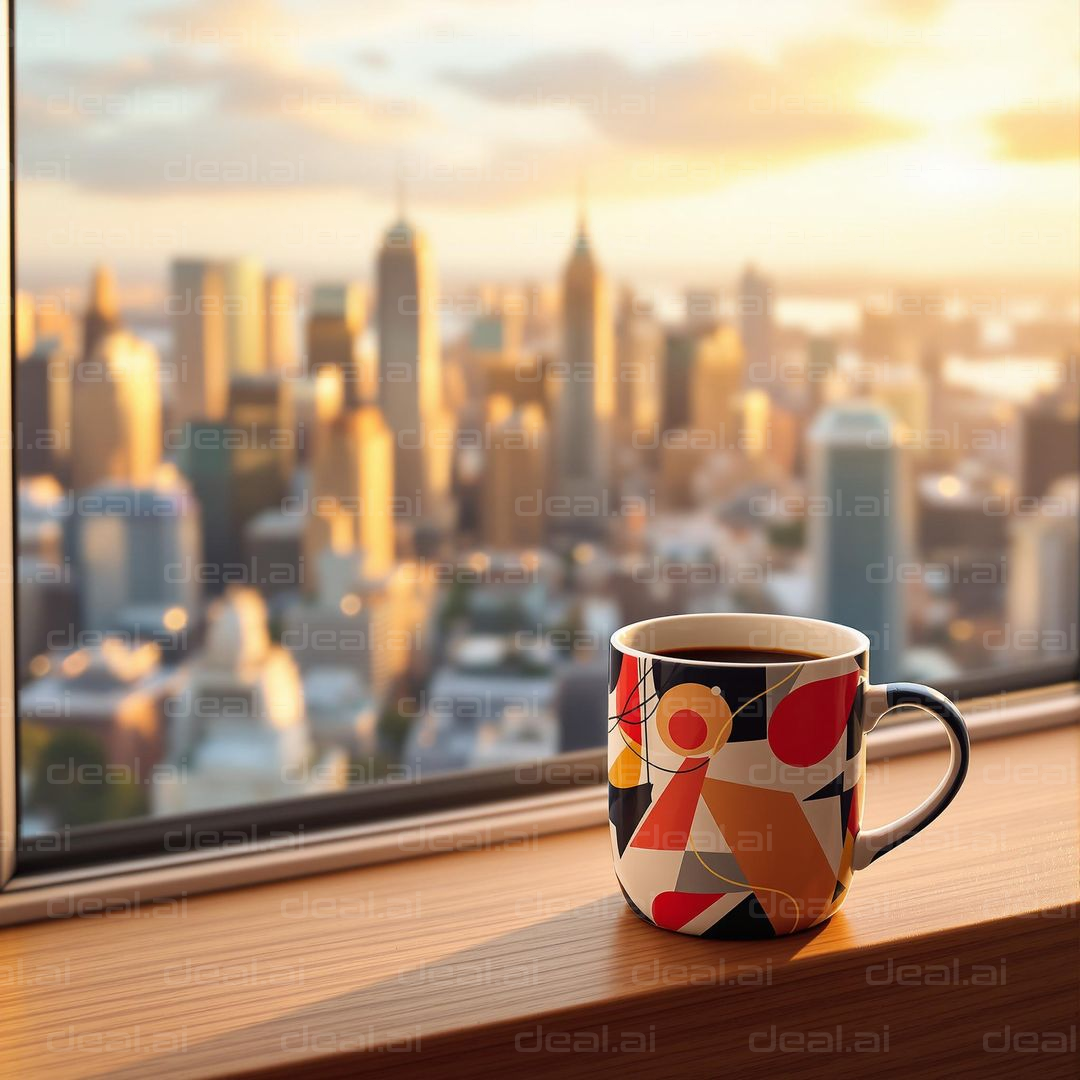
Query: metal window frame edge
<point>162,885</point>
<point>9,765</point>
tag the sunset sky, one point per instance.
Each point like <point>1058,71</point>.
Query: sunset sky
<point>897,138</point>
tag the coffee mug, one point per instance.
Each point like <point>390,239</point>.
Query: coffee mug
<point>736,789</point>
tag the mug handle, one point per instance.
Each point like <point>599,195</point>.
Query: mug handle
<point>871,844</point>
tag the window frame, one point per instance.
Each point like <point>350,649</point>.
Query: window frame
<point>305,819</point>
<point>363,824</point>
<point>9,771</point>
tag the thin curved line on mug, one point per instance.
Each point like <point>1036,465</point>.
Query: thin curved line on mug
<point>769,689</point>
<point>794,672</point>
<point>620,718</point>
<point>653,698</point>
<point>744,884</point>
<point>637,685</point>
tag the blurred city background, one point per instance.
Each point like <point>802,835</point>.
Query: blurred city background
<point>373,367</point>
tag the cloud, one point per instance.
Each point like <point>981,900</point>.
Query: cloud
<point>251,26</point>
<point>270,27</point>
<point>244,111</point>
<point>373,58</point>
<point>175,118</point>
<point>180,80</point>
<point>803,106</point>
<point>1047,135</point>
<point>915,11</point>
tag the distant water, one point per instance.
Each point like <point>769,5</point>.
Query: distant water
<point>160,336</point>
<point>1011,378</point>
<point>817,315</point>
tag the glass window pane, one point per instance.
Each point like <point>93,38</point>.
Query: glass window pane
<point>375,364</point>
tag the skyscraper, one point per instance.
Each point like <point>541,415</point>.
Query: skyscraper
<point>515,476</point>
<point>54,319</point>
<point>680,351</point>
<point>494,359</point>
<point>703,372</point>
<point>716,380</point>
<point>821,356</point>
<point>1049,442</point>
<point>337,319</point>
<point>702,308</point>
<point>197,305</point>
<point>308,403</point>
<point>245,319</point>
<point>43,410</point>
<point>584,386</point>
<point>639,349</point>
<point>410,391</point>
<point>263,459</point>
<point>1043,585</point>
<point>280,312</point>
<point>116,412</point>
<point>102,310</point>
<point>860,519</point>
<point>139,559</point>
<point>25,324</point>
<point>769,436</point>
<point>352,493</point>
<point>47,591</point>
<point>756,325</point>
<point>206,459</point>
<point>274,548</point>
<point>240,465</point>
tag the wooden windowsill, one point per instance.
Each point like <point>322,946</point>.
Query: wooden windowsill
<point>956,951</point>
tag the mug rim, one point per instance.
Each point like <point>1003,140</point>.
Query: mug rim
<point>862,642</point>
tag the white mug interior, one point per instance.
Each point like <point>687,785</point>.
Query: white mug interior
<point>653,638</point>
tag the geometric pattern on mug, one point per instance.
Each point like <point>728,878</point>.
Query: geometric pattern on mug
<point>735,794</point>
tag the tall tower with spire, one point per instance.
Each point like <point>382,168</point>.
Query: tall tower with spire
<point>584,391</point>
<point>410,391</point>
<point>102,309</point>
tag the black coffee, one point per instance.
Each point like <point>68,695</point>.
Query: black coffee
<point>738,655</point>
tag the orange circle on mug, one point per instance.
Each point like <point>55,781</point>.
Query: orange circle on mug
<point>693,719</point>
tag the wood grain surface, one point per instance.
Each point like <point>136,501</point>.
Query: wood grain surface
<point>955,955</point>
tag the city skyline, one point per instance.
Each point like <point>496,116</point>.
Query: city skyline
<point>709,441</point>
